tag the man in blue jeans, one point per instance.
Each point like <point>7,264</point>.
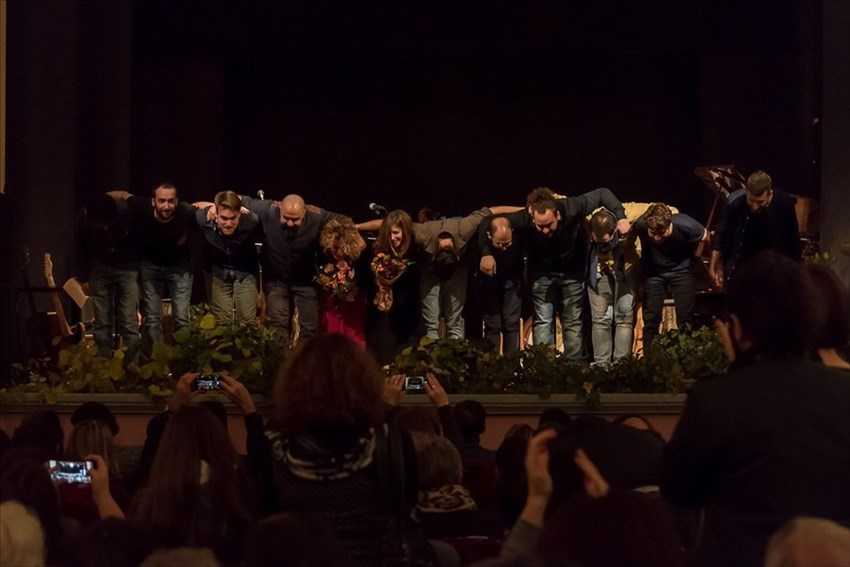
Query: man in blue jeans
<point>162,224</point>
<point>108,268</point>
<point>667,246</point>
<point>557,259</point>
<point>611,288</point>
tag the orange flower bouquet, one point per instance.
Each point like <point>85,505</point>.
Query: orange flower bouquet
<point>387,269</point>
<point>338,280</point>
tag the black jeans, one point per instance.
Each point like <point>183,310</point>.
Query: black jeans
<point>500,311</point>
<point>683,287</point>
<point>281,301</point>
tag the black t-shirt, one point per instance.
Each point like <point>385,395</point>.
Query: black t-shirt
<point>237,252</point>
<point>162,243</point>
<point>676,252</point>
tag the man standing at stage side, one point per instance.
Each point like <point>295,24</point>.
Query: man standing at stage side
<point>163,225</point>
<point>557,259</point>
<point>499,290</point>
<point>109,266</point>
<point>289,260</point>
<point>230,259</point>
<point>667,247</point>
<point>756,218</point>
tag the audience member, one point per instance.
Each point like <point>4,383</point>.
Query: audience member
<point>764,442</point>
<point>327,423</point>
<point>809,542</point>
<point>40,432</point>
<point>438,421</point>
<point>833,338</point>
<point>553,417</point>
<point>197,493</point>
<point>194,556</point>
<point>479,463</point>
<point>446,509</point>
<point>113,542</point>
<point>21,537</point>
<point>76,499</point>
<point>293,540</point>
<point>27,481</point>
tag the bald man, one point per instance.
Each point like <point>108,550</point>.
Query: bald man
<point>498,284</point>
<point>289,259</point>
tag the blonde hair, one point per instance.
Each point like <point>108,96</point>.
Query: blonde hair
<point>92,437</point>
<point>341,235</point>
<point>21,536</point>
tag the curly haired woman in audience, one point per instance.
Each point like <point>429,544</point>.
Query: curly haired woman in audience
<point>326,426</point>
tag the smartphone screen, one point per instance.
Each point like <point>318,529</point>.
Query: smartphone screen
<point>207,382</point>
<point>414,383</point>
<point>72,472</point>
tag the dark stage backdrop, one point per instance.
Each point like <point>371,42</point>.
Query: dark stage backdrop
<point>459,106</point>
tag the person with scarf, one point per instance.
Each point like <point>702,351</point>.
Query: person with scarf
<point>611,288</point>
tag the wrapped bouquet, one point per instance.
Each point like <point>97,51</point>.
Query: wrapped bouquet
<point>387,269</point>
<point>338,280</point>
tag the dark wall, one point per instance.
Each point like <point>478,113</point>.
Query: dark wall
<point>464,105</point>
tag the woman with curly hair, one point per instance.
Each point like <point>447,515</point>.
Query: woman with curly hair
<point>343,305</point>
<point>326,436</point>
<point>394,306</point>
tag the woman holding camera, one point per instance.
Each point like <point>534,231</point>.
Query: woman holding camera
<point>326,433</point>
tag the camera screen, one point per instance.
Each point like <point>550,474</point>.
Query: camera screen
<point>207,382</point>
<point>414,383</point>
<point>74,472</point>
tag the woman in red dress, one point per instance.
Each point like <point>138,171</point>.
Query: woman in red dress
<point>343,304</point>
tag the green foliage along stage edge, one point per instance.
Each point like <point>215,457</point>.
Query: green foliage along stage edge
<point>676,360</point>
<point>248,352</point>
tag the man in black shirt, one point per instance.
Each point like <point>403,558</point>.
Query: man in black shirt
<point>230,259</point>
<point>667,246</point>
<point>557,259</point>
<point>498,287</point>
<point>289,259</point>
<point>756,218</point>
<point>162,224</point>
<point>109,265</point>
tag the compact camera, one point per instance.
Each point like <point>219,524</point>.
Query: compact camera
<point>207,382</point>
<point>72,472</point>
<point>415,383</point>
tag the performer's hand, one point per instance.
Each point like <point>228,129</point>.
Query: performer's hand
<point>212,213</point>
<point>716,276</point>
<point>623,225</point>
<point>183,392</point>
<point>394,389</point>
<point>435,391</point>
<point>237,393</point>
<point>488,265</point>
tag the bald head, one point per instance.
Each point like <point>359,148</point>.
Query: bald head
<point>500,233</point>
<point>292,211</point>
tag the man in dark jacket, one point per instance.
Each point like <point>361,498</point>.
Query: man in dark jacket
<point>771,439</point>
<point>756,218</point>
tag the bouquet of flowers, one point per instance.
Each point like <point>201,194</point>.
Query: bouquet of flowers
<point>387,269</point>
<point>338,280</point>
